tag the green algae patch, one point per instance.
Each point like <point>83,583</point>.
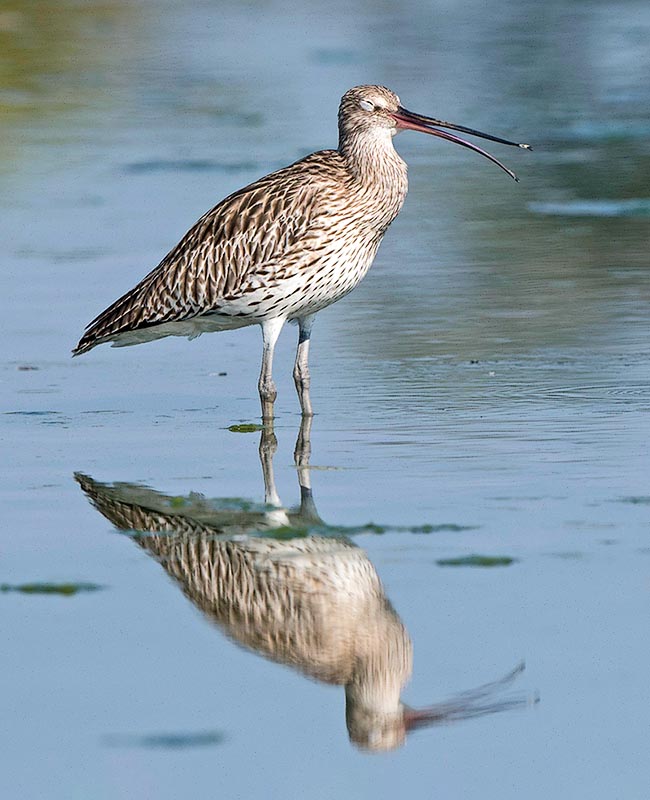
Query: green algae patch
<point>246,427</point>
<point>476,561</point>
<point>64,589</point>
<point>284,533</point>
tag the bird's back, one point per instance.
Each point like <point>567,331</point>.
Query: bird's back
<point>253,239</point>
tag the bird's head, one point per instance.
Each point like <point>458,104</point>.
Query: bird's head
<point>368,110</point>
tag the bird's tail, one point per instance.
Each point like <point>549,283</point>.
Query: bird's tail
<point>128,313</point>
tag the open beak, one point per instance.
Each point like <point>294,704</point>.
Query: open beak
<point>416,122</point>
<point>472,703</point>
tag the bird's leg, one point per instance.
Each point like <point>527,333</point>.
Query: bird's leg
<point>275,515</point>
<point>302,450</point>
<point>301,455</point>
<point>270,331</point>
<point>267,449</point>
<point>301,367</point>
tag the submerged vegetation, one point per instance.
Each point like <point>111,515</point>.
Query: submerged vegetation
<point>476,561</point>
<point>168,741</point>
<point>65,589</point>
<point>246,427</point>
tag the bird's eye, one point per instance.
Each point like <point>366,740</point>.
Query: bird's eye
<point>366,105</point>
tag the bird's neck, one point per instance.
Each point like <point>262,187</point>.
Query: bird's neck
<point>374,713</point>
<point>383,661</point>
<point>375,693</point>
<point>373,161</point>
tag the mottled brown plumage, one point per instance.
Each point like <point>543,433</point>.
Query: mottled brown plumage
<point>315,604</point>
<point>282,248</point>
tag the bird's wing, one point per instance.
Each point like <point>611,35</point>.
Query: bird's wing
<point>242,241</point>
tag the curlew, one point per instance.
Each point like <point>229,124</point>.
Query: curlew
<point>314,603</point>
<point>286,246</point>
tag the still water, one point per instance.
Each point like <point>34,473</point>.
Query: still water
<point>473,492</point>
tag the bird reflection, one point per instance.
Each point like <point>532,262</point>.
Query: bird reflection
<point>313,602</point>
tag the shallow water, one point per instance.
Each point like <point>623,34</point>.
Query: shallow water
<point>485,392</point>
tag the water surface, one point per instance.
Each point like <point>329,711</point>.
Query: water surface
<point>484,393</point>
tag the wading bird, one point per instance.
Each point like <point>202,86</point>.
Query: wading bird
<point>284,247</point>
<point>313,602</point>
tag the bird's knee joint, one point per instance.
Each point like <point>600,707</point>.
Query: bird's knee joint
<point>301,374</point>
<point>268,391</point>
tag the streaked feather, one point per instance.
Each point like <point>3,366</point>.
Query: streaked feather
<point>285,246</point>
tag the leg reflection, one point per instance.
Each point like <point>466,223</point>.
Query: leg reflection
<point>301,456</point>
<point>267,449</point>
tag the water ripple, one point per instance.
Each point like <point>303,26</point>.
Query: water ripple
<point>188,165</point>
<point>596,392</point>
<point>638,207</point>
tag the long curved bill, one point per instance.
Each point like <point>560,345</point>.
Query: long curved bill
<point>416,122</point>
<point>472,703</point>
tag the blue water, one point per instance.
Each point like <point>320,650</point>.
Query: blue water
<point>490,376</point>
